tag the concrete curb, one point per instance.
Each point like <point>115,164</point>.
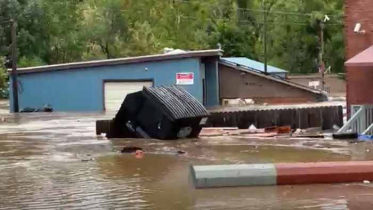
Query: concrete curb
<point>281,174</point>
<point>233,175</point>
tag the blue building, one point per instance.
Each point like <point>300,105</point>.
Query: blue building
<point>102,85</point>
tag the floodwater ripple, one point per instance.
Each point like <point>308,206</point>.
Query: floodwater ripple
<point>55,161</point>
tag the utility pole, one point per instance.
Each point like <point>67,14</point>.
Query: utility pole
<point>14,67</point>
<point>265,38</point>
<point>321,55</point>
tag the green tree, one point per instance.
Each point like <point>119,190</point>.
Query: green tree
<point>51,31</point>
<point>106,28</point>
<point>62,26</point>
<point>294,37</point>
<point>3,79</point>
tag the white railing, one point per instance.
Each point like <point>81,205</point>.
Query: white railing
<point>361,121</point>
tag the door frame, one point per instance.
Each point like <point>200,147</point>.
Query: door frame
<point>120,81</point>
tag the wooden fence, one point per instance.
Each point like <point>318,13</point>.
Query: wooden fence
<point>325,117</point>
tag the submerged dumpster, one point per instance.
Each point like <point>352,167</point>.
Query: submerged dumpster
<point>158,112</point>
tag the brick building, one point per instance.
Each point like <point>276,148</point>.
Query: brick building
<point>359,51</point>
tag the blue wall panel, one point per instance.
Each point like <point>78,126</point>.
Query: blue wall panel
<point>82,89</point>
<point>212,81</point>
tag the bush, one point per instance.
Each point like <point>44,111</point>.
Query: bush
<point>4,87</point>
<point>30,62</point>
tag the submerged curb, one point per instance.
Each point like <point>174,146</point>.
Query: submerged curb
<point>281,174</point>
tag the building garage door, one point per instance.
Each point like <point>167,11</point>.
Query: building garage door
<point>115,92</point>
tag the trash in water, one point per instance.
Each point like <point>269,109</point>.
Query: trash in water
<point>279,130</point>
<point>88,159</point>
<point>180,152</point>
<point>347,136</point>
<point>365,138</point>
<point>139,154</point>
<point>252,127</point>
<point>46,108</point>
<point>336,127</point>
<point>166,113</point>
<point>131,149</point>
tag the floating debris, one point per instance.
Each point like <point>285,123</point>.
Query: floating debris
<point>131,149</point>
<point>139,154</point>
<point>166,113</point>
<point>180,152</point>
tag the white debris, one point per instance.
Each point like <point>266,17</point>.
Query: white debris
<point>366,182</point>
<point>252,127</point>
<point>238,102</point>
<point>336,127</point>
<point>173,51</point>
<point>249,102</point>
<point>328,136</point>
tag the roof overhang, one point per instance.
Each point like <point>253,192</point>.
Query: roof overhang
<point>363,59</point>
<point>121,61</point>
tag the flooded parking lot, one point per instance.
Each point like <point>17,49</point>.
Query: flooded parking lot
<point>55,161</point>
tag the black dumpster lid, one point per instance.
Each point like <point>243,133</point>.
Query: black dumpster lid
<point>176,102</point>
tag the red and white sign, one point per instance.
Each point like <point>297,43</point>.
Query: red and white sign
<point>185,78</point>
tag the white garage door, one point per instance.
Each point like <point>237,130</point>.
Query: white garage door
<point>115,92</point>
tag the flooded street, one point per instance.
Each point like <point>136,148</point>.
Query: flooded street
<point>55,161</point>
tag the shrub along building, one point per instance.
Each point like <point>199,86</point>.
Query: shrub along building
<point>102,85</point>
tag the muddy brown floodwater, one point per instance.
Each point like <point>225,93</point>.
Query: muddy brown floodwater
<point>55,161</point>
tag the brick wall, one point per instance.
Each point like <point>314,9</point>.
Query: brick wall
<point>359,79</point>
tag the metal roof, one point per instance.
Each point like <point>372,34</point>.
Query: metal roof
<point>364,58</point>
<point>255,65</point>
<point>121,61</point>
<point>176,102</point>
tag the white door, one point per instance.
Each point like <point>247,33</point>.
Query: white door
<point>115,92</point>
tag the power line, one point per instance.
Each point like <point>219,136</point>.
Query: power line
<point>4,22</point>
<point>240,21</point>
<point>261,11</point>
<point>211,18</point>
<point>246,9</point>
<point>243,21</point>
<point>269,12</point>
<point>258,11</point>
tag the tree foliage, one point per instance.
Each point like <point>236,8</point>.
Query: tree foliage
<point>59,31</point>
